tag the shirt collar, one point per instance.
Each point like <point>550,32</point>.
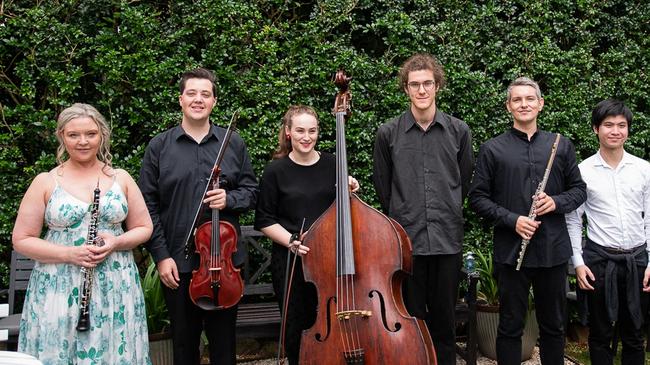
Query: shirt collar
<point>437,119</point>
<point>178,132</point>
<point>599,161</point>
<point>523,135</point>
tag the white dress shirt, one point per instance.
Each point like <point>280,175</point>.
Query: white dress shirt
<point>617,205</point>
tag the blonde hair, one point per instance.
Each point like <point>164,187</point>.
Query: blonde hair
<point>80,110</point>
<point>284,144</point>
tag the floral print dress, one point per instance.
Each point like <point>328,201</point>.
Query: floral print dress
<point>118,327</point>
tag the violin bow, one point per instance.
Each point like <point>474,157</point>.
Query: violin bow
<point>288,279</point>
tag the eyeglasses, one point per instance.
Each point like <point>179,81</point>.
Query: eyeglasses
<point>415,86</point>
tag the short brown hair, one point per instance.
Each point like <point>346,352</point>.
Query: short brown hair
<point>198,73</point>
<point>422,61</point>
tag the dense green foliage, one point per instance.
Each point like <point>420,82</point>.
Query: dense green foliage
<point>125,58</point>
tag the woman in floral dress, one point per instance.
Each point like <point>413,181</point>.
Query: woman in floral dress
<point>62,199</point>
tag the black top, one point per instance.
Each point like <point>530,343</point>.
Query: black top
<point>290,192</point>
<point>508,170</point>
<point>422,177</point>
<point>175,171</point>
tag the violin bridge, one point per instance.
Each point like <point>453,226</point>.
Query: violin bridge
<point>346,315</point>
<point>214,269</point>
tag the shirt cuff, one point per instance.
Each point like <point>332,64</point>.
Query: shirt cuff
<point>511,220</point>
<point>159,254</point>
<point>577,260</point>
<point>230,202</point>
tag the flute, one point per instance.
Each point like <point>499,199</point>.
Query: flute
<point>87,273</point>
<point>532,213</point>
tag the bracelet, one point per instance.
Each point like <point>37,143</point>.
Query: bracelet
<point>293,237</point>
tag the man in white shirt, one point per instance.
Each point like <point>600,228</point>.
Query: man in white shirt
<point>612,268</point>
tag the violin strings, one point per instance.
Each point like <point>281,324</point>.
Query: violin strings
<point>213,248</point>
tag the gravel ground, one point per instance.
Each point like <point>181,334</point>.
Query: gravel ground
<point>263,352</point>
<point>480,361</point>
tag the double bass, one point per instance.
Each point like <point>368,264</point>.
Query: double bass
<point>357,261</point>
<point>216,283</point>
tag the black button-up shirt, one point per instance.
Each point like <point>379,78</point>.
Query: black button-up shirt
<point>508,170</point>
<point>174,174</point>
<point>422,177</point>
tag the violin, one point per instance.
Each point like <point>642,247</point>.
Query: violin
<point>216,283</point>
<point>357,261</point>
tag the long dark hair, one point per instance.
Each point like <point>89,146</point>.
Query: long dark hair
<point>284,143</point>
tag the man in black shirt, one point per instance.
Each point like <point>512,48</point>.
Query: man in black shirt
<point>175,171</point>
<point>508,171</point>
<point>422,170</point>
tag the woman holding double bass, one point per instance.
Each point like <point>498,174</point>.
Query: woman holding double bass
<point>298,185</point>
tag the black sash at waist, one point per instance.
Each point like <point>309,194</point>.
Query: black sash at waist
<point>631,259</point>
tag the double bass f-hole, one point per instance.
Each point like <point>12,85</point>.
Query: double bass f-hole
<point>357,261</point>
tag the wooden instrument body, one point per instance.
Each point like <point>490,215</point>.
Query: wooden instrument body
<point>231,285</point>
<point>382,252</point>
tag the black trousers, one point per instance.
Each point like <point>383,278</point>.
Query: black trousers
<point>188,321</point>
<point>431,294</point>
<point>549,290</point>
<point>601,329</point>
<point>301,312</point>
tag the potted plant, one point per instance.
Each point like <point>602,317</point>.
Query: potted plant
<point>160,342</point>
<point>487,312</point>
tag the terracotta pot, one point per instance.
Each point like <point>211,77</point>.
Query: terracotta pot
<point>487,321</point>
<point>161,350</point>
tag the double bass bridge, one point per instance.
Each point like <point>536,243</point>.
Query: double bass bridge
<point>347,315</point>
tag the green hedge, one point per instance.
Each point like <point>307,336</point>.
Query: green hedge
<point>125,57</point>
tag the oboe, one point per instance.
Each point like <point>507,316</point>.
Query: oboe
<point>532,214</point>
<point>87,273</point>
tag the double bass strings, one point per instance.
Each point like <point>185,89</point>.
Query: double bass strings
<point>346,301</point>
